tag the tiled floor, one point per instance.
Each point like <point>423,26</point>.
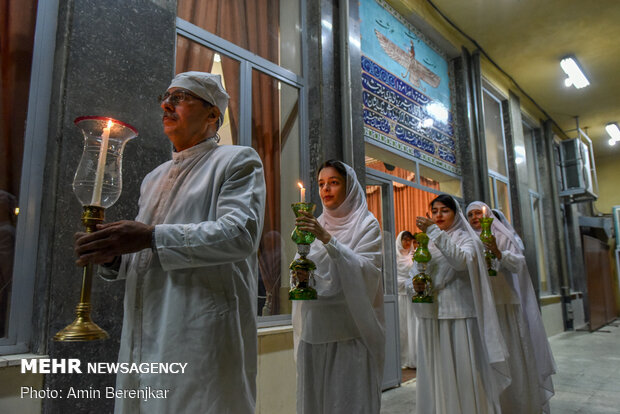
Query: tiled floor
<point>587,382</point>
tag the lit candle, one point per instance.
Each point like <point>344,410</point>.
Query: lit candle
<point>302,193</point>
<point>103,153</point>
<point>484,211</point>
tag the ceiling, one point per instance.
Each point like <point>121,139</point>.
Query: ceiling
<point>527,39</point>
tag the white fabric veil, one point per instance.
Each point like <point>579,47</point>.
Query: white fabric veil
<point>486,313</point>
<point>404,258</point>
<point>506,223</point>
<point>522,284</point>
<point>354,271</point>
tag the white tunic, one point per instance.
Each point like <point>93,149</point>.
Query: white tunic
<point>531,362</point>
<point>340,338</point>
<point>195,300</point>
<point>406,315</point>
<point>459,342</point>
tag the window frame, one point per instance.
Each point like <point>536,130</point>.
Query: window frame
<point>19,338</point>
<point>495,176</point>
<point>415,168</point>
<point>248,63</point>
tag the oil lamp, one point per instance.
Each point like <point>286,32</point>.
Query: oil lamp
<point>486,236</point>
<point>302,268</point>
<point>97,185</point>
<point>422,283</point>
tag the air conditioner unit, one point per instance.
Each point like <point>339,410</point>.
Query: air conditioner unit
<point>579,181</point>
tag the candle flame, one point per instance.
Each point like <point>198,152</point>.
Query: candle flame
<point>110,123</point>
<point>16,211</point>
<point>300,185</point>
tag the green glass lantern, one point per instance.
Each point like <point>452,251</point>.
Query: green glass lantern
<point>486,236</point>
<point>302,268</point>
<point>422,282</point>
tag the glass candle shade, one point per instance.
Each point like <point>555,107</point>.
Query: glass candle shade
<point>302,269</point>
<point>98,179</point>
<point>422,283</point>
<point>487,237</point>
<point>422,254</point>
<point>300,236</point>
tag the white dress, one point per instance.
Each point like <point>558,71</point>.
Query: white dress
<point>461,356</point>
<point>531,362</point>
<point>406,315</point>
<point>195,300</point>
<point>340,338</point>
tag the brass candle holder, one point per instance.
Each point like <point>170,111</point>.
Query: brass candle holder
<point>97,185</point>
<point>83,328</point>
<point>422,283</point>
<point>302,268</point>
<point>486,236</point>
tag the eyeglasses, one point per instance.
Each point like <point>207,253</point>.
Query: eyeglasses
<point>177,97</point>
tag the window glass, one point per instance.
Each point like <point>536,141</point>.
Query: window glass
<point>503,199</point>
<point>194,56</point>
<point>276,136</point>
<point>384,161</point>
<point>494,134</point>
<point>437,180</point>
<point>270,29</point>
<point>16,57</point>
<point>530,156</point>
<point>540,246</point>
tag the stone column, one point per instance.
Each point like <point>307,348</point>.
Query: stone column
<point>112,59</point>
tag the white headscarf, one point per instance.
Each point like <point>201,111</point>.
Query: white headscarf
<point>522,284</point>
<point>506,223</point>
<point>404,258</point>
<point>484,303</point>
<point>356,272</point>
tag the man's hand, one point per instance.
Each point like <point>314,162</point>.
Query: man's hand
<point>111,240</point>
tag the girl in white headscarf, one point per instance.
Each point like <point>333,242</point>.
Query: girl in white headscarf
<point>340,338</point>
<point>531,362</point>
<point>406,321</point>
<point>461,354</point>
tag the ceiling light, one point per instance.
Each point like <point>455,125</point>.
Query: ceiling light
<point>574,72</point>
<point>611,142</point>
<point>613,131</point>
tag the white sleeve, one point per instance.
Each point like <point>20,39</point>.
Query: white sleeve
<point>511,261</point>
<point>235,233</point>
<point>456,255</point>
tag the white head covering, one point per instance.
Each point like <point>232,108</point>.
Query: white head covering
<point>206,85</point>
<point>355,273</point>
<point>404,261</point>
<point>522,284</point>
<point>498,226</point>
<point>486,312</point>
<point>507,224</point>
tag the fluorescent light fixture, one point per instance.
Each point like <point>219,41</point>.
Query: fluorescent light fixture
<point>613,131</point>
<point>575,74</point>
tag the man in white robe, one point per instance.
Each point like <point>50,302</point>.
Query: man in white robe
<point>190,262</point>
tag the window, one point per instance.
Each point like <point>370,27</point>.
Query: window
<point>270,29</point>
<point>496,153</point>
<point>256,47</point>
<point>16,56</point>
<point>536,208</point>
<point>411,196</point>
